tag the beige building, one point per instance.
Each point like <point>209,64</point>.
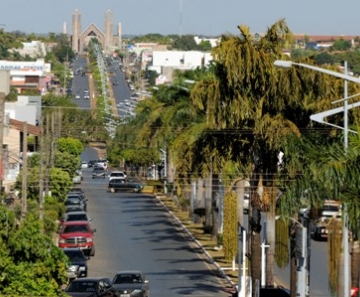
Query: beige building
<point>12,150</point>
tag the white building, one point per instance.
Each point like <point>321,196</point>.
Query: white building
<point>213,41</point>
<point>33,49</point>
<point>182,60</point>
<point>25,109</point>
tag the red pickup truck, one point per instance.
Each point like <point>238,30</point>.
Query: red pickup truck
<point>77,234</point>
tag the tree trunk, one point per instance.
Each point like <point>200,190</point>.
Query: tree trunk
<point>240,191</point>
<point>293,274</point>
<point>255,263</point>
<point>215,207</point>
<point>208,204</point>
<point>270,251</point>
<point>200,200</point>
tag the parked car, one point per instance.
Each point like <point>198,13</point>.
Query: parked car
<point>77,234</point>
<point>91,163</point>
<point>78,191</point>
<point>94,287</point>
<point>77,179</point>
<point>99,172</point>
<point>120,184</point>
<point>117,174</point>
<point>84,164</point>
<point>75,201</point>
<point>132,283</point>
<point>76,216</point>
<point>78,263</point>
<point>115,83</point>
<point>77,96</point>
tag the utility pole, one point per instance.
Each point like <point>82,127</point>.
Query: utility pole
<point>41,173</point>
<point>4,90</point>
<point>53,137</point>
<point>47,153</point>
<point>2,120</point>
<point>24,173</point>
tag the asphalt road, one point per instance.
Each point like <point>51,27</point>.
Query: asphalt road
<point>121,91</point>
<point>135,232</point>
<point>80,83</point>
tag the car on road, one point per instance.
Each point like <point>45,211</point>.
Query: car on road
<point>78,263</point>
<point>77,96</point>
<point>131,283</point>
<point>77,234</point>
<point>76,216</point>
<point>117,174</point>
<point>84,164</point>
<point>91,163</point>
<point>127,185</point>
<point>94,287</point>
<point>102,163</point>
<point>75,201</point>
<point>115,83</point>
<point>99,172</point>
<point>77,179</point>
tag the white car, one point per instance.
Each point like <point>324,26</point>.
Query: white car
<point>117,174</point>
<point>77,97</point>
<point>84,164</point>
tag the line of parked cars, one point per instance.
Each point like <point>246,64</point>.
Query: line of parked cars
<point>76,234</point>
<point>126,283</point>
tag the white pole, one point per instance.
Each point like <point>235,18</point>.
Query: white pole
<point>243,279</point>
<point>345,229</point>
<point>263,264</point>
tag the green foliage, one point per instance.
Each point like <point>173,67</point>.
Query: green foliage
<point>282,242</point>
<point>324,58</point>
<point>230,234</point>
<point>69,145</point>
<point>155,38</point>
<point>185,43</point>
<point>30,264</point>
<point>341,45</point>
<point>60,183</point>
<point>67,162</point>
<point>8,41</point>
<point>12,96</point>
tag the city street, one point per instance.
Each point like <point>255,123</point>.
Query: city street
<point>135,232</point>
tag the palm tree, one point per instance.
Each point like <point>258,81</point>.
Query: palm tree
<point>266,109</point>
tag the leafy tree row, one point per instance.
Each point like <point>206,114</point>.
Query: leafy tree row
<point>236,120</point>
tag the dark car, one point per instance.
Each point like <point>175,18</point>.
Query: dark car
<point>127,185</point>
<point>76,216</point>
<point>274,292</point>
<point>74,202</point>
<point>115,83</point>
<point>78,263</point>
<point>91,163</point>
<point>99,172</point>
<point>94,287</point>
<point>131,283</point>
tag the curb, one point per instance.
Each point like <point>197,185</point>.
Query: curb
<point>223,274</point>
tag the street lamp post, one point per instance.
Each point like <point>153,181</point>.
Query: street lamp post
<point>346,77</point>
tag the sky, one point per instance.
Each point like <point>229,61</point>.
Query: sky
<point>197,17</point>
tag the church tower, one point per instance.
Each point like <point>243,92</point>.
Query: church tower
<point>119,33</point>
<point>76,30</point>
<point>108,30</point>
<point>64,28</point>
